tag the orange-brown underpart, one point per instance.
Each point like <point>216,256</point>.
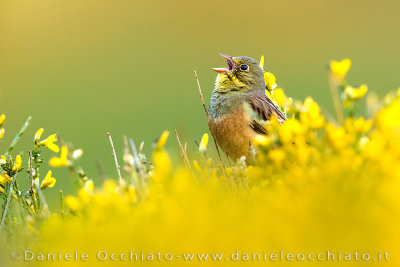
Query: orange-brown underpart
<point>233,133</point>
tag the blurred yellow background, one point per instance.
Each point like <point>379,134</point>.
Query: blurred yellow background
<point>82,68</point>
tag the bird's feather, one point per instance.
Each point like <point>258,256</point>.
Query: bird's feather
<point>261,109</point>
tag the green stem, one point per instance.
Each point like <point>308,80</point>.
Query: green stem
<point>61,204</point>
<point>336,100</point>
<point>18,136</point>
<point>7,203</point>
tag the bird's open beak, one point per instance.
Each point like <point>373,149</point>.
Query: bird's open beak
<point>230,64</point>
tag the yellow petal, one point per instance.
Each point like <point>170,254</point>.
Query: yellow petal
<point>2,131</point>
<point>163,139</point>
<point>38,134</point>
<point>72,203</point>
<point>340,68</point>
<point>203,143</point>
<point>3,180</point>
<point>6,177</point>
<point>18,163</point>
<point>2,119</point>
<point>53,147</point>
<point>56,162</point>
<point>262,140</point>
<point>262,62</point>
<point>279,97</point>
<point>48,181</point>
<point>270,80</point>
<point>61,161</point>
<point>64,153</point>
<point>356,93</point>
<point>49,143</point>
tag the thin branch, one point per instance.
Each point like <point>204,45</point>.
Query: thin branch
<point>219,156</point>
<point>201,94</point>
<point>141,147</point>
<point>43,201</point>
<point>62,204</point>
<point>183,152</point>
<point>31,191</point>
<point>205,110</point>
<point>228,160</point>
<point>115,157</point>
<point>18,136</point>
<point>7,203</point>
<point>30,173</point>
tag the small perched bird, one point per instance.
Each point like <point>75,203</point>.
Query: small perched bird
<point>239,107</point>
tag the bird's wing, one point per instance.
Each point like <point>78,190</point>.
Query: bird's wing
<point>261,109</point>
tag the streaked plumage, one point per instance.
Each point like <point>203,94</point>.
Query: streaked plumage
<point>239,107</point>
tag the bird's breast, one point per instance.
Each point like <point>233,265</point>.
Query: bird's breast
<point>223,104</point>
<point>232,132</point>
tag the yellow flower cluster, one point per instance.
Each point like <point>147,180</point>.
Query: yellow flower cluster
<point>317,186</point>
<point>48,142</point>
<point>276,94</point>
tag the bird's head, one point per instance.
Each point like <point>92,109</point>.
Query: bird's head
<point>242,74</point>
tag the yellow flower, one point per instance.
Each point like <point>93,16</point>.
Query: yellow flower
<point>3,180</point>
<point>1,190</point>
<point>62,161</point>
<point>356,93</point>
<point>2,131</point>
<point>3,160</point>
<point>89,186</point>
<point>203,143</point>
<point>279,97</point>
<point>262,62</point>
<point>311,115</point>
<point>262,140</point>
<point>162,164</point>
<point>6,178</point>
<point>2,119</point>
<point>340,68</point>
<point>48,181</point>
<point>38,134</point>
<point>337,136</point>
<point>18,163</point>
<point>270,80</point>
<point>277,156</point>
<point>162,140</point>
<point>359,125</point>
<point>72,203</point>
<point>49,143</point>
<point>290,130</point>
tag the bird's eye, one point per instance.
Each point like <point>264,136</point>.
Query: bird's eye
<point>244,67</point>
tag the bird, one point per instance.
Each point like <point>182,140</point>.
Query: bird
<point>239,108</point>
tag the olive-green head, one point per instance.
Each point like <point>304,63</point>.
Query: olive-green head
<point>243,74</point>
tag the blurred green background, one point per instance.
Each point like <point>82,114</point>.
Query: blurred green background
<point>82,68</point>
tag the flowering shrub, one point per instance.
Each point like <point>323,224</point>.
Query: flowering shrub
<point>319,184</point>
